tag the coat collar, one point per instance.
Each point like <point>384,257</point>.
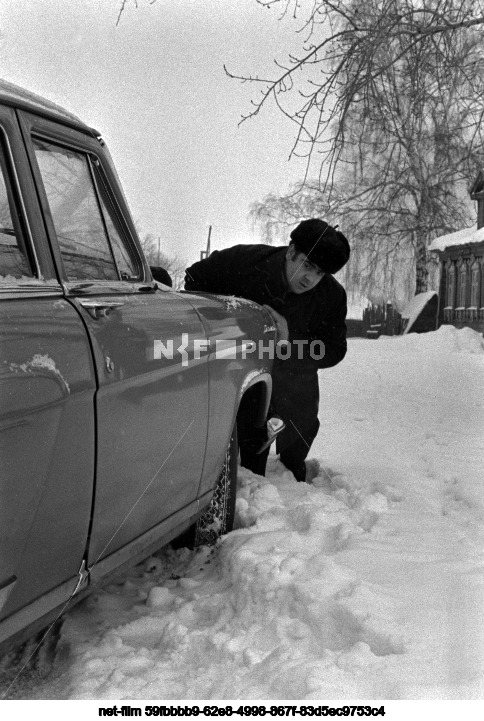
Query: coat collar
<point>276,282</point>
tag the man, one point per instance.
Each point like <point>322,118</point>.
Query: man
<point>308,305</point>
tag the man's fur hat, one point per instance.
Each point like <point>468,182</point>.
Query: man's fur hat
<point>323,245</point>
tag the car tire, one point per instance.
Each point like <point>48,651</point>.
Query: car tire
<point>218,518</point>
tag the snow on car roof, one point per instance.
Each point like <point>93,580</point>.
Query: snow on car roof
<point>467,236</point>
<point>21,97</point>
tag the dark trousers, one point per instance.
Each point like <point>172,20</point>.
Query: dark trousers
<point>294,454</point>
<point>295,399</point>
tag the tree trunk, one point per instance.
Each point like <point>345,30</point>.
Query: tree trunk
<point>421,267</point>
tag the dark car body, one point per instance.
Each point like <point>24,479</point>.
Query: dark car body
<point>108,448</point>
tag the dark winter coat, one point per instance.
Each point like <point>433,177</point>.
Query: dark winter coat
<point>256,272</point>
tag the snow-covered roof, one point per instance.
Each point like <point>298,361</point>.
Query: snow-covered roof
<point>414,307</point>
<point>466,236</point>
<point>417,303</point>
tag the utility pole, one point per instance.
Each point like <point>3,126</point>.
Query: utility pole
<point>206,253</point>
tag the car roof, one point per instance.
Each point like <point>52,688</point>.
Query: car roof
<point>18,97</point>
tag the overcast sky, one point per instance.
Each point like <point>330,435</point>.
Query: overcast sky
<point>155,87</point>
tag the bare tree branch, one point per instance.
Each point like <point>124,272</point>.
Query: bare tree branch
<point>155,256</point>
<point>389,119</point>
<point>348,54</point>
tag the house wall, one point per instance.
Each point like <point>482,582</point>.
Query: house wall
<point>462,287</point>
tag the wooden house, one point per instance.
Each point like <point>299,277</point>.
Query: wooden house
<point>461,293</point>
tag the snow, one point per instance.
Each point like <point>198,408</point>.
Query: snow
<point>232,302</point>
<point>356,305</point>
<point>366,584</point>
<point>414,307</point>
<point>40,361</point>
<point>460,237</point>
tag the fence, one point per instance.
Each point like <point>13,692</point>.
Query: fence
<point>381,320</point>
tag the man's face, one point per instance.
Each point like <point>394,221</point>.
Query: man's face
<point>301,274</point>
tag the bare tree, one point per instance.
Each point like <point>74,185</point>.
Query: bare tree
<point>346,49</point>
<point>173,264</point>
<point>386,98</point>
<point>382,263</point>
<point>398,139</point>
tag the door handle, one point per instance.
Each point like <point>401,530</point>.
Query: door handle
<point>100,308</point>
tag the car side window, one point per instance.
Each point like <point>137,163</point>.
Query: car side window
<point>89,243</point>
<point>126,265</point>
<point>13,255</point>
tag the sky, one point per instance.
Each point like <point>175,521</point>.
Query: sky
<point>154,86</point>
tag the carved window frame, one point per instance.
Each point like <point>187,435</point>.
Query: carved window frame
<point>462,267</point>
<point>450,284</point>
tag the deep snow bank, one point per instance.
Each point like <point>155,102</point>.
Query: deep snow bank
<point>368,584</point>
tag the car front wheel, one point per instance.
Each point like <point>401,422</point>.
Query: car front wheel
<point>218,518</point>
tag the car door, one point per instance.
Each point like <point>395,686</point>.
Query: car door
<point>47,386</point>
<point>151,412</point>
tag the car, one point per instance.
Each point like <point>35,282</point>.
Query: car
<point>119,396</point>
